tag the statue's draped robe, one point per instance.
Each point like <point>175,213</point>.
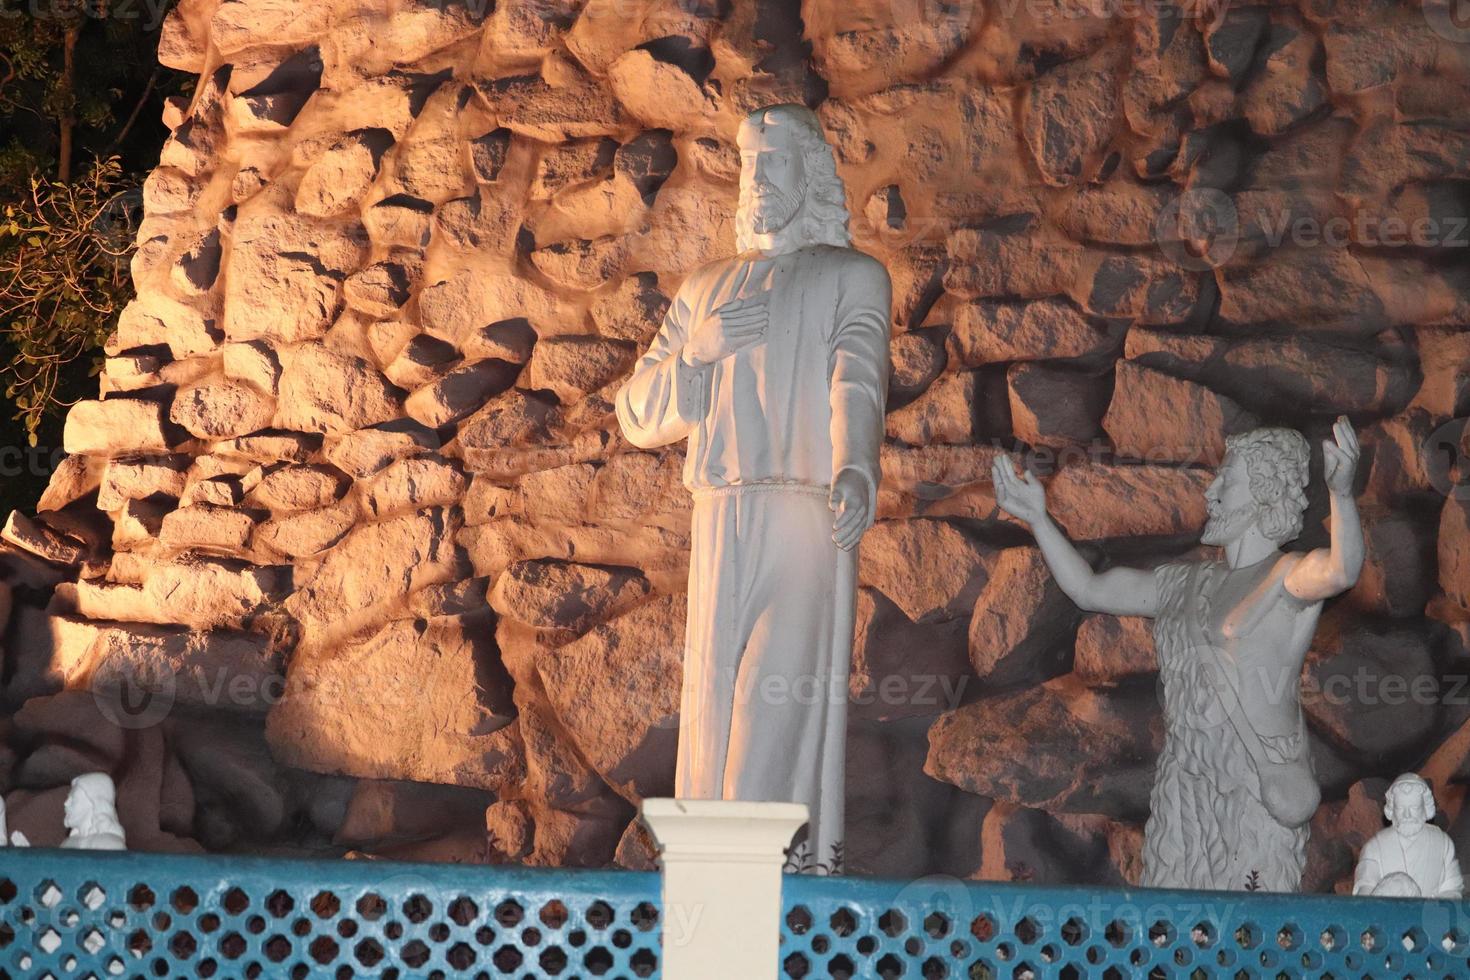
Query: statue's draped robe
<point>1207,827</point>
<point>769,635</point>
<point>1429,859</point>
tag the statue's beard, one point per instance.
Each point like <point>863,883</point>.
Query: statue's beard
<point>1224,527</point>
<point>771,209</point>
<point>1408,827</point>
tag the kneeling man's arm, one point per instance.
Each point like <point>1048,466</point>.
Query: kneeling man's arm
<point>1118,591</point>
<point>1325,572</point>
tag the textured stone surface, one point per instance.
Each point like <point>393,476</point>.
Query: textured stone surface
<point>1021,627</point>
<point>1096,500</point>
<point>561,596</point>
<point>1086,751</point>
<point>1110,648</point>
<point>922,566</point>
<point>115,427</point>
<point>324,391</point>
<point>942,414</point>
<point>221,411</point>
<point>436,718</point>
<point>356,425</point>
<point>375,566</point>
<point>987,332</point>
<point>634,658</point>
<point>1159,419</point>
<point>1055,407</point>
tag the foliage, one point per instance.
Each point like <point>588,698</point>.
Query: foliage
<point>66,68</point>
<point>63,280</point>
<point>81,99</point>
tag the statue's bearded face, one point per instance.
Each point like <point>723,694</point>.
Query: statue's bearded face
<point>73,811</point>
<point>1408,813</point>
<point>772,175</point>
<point>1233,508</point>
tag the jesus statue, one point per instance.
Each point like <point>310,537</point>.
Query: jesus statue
<point>774,365</point>
<point>1234,788</point>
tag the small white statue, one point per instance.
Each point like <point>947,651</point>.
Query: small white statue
<point>774,365</point>
<point>16,839</point>
<point>1234,788</point>
<point>91,814</point>
<point>1412,858</point>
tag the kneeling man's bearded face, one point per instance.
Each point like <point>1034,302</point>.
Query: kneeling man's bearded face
<point>1232,506</point>
<point>1261,484</point>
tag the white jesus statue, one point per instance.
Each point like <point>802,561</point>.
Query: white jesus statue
<point>774,365</point>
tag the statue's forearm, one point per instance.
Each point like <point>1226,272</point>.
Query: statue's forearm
<point>1068,567</point>
<point>1347,541</point>
<point>1327,572</point>
<point>1117,591</point>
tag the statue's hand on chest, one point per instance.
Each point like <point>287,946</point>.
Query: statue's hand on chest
<point>728,329</point>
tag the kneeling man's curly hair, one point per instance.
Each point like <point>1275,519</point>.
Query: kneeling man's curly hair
<point>1277,461</point>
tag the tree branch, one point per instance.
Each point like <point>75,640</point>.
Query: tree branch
<point>68,96</point>
<point>133,116</point>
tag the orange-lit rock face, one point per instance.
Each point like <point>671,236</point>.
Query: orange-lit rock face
<point>354,445</point>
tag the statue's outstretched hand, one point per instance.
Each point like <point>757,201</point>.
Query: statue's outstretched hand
<point>728,328</point>
<point>1023,498</point>
<point>849,501</point>
<point>1340,461</point>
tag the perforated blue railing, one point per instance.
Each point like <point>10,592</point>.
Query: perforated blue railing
<point>943,927</point>
<point>107,914</point>
<point>102,915</point>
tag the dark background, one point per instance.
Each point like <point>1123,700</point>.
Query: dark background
<point>112,101</point>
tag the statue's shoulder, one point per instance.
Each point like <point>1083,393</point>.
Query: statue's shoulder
<point>711,269</point>
<point>1379,839</point>
<point>851,259</point>
<point>1437,835</point>
<point>1178,571</point>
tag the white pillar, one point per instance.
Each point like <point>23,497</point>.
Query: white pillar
<point>722,885</point>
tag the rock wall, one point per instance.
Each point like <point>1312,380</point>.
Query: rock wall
<point>349,554</point>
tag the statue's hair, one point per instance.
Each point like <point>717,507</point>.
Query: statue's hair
<point>97,789</point>
<point>1409,782</point>
<point>824,214</point>
<point>1277,462</point>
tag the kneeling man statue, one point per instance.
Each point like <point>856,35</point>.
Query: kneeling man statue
<point>1234,788</point>
<point>774,365</point>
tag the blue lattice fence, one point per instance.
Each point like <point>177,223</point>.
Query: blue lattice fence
<point>944,928</point>
<point>94,914</point>
<point>103,914</point>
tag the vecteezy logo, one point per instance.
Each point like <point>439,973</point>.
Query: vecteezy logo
<point>1445,460</point>
<point>1199,229</point>
<point>1450,19</point>
<point>133,696</point>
